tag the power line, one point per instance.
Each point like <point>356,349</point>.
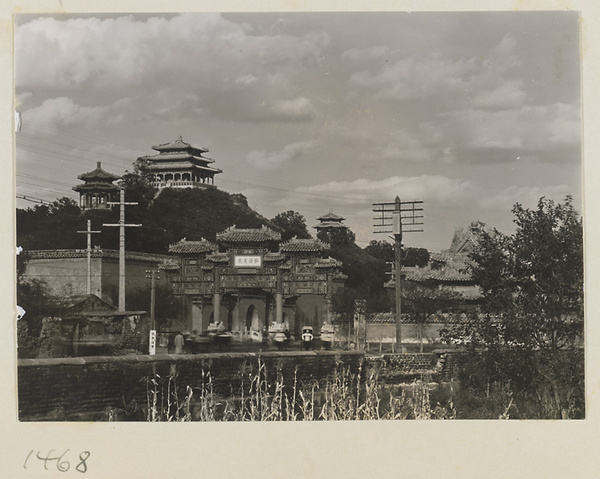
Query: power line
<point>33,200</point>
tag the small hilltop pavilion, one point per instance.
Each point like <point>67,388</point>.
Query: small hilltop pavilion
<point>329,222</point>
<point>180,165</point>
<point>98,189</point>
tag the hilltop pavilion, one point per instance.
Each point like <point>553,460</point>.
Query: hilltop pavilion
<point>180,165</point>
<point>98,189</point>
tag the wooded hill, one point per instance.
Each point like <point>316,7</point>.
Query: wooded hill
<point>172,214</point>
<point>166,218</point>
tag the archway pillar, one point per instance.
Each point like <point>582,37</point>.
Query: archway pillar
<point>197,315</point>
<point>279,307</point>
<point>217,307</point>
<point>236,315</point>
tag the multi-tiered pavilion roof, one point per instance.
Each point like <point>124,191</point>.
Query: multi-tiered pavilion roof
<point>98,188</point>
<point>330,220</point>
<point>181,165</point>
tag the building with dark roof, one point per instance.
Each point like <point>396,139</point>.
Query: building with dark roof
<point>450,268</point>
<point>249,280</point>
<point>180,165</point>
<point>98,189</point>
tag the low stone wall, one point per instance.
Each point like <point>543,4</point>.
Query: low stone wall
<point>90,388</point>
<point>86,388</point>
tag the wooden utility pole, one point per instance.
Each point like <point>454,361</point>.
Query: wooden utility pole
<point>121,224</point>
<point>153,277</point>
<point>89,233</point>
<point>397,215</point>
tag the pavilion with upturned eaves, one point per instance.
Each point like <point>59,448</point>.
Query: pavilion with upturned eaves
<point>180,165</point>
<point>98,189</point>
<point>330,221</point>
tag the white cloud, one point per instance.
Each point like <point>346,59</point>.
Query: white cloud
<point>130,56</point>
<point>430,187</point>
<point>411,78</point>
<point>529,128</point>
<point>64,111</point>
<point>246,79</point>
<point>454,79</point>
<point>274,159</point>
<point>509,94</point>
<point>528,196</point>
<point>362,54</point>
<point>297,109</point>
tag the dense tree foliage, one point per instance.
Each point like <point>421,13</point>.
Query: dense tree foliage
<point>291,225</point>
<point>415,257</point>
<point>49,226</point>
<point>366,273</point>
<point>165,218</point>
<point>167,305</point>
<point>410,256</point>
<point>531,334</point>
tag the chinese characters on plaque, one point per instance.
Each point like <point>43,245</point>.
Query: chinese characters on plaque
<point>245,261</point>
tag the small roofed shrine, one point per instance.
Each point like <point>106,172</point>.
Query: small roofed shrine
<point>249,280</point>
<point>98,189</point>
<point>180,165</point>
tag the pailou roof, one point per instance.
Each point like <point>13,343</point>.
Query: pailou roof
<point>235,235</point>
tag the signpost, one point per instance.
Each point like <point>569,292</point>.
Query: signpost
<point>152,343</point>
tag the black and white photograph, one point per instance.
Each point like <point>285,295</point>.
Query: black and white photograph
<point>297,216</point>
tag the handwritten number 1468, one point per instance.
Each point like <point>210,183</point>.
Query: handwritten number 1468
<point>61,465</point>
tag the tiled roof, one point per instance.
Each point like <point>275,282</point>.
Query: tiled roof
<point>96,186</point>
<point>331,216</point>
<point>178,144</point>
<point>96,253</point>
<point>182,165</point>
<point>193,247</point>
<point>218,257</point>
<point>330,224</point>
<point>86,302</point>
<point>176,155</point>
<point>98,173</point>
<point>303,245</point>
<point>258,235</point>
<point>328,263</point>
<point>444,274</point>
<point>169,265</point>
<point>273,257</point>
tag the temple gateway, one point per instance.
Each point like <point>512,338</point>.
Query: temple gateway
<point>248,279</point>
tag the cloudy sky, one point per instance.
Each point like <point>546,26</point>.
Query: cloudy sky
<point>469,112</point>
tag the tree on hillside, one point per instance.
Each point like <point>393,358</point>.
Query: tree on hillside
<point>410,256</point>
<point>49,226</point>
<point>366,273</point>
<point>291,224</point>
<point>380,250</point>
<point>532,282</point>
<point>415,257</point>
<point>337,236</point>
